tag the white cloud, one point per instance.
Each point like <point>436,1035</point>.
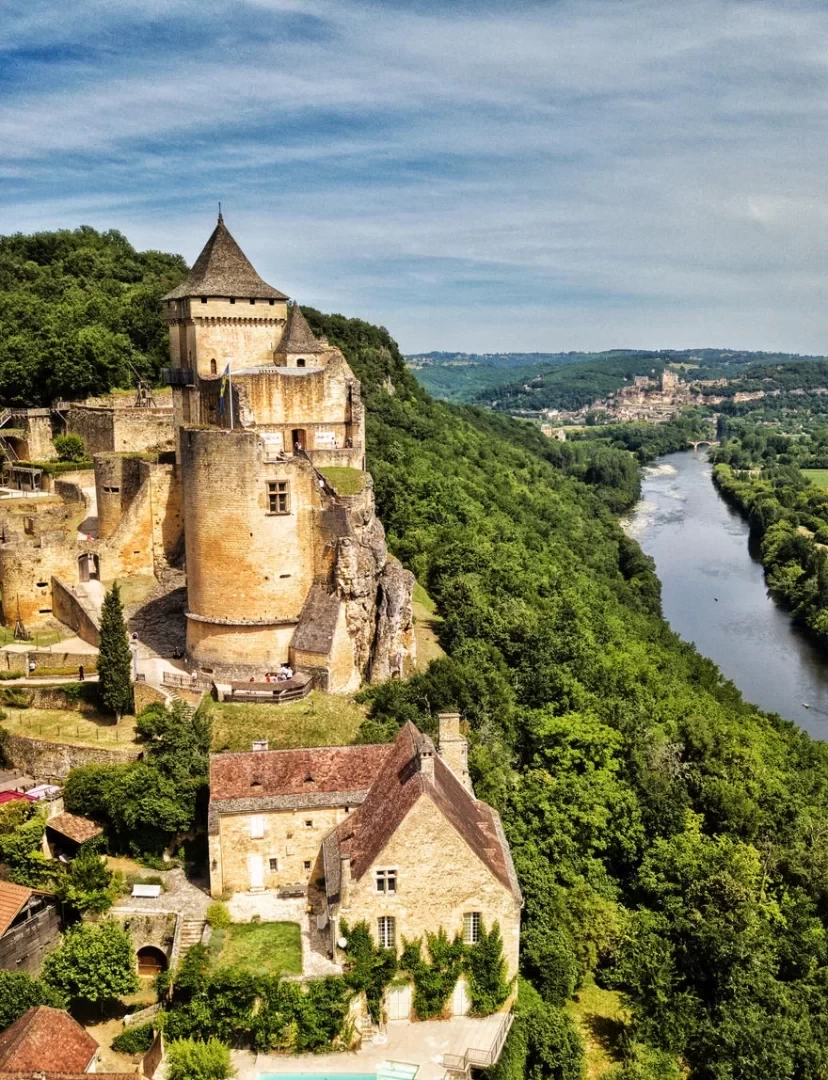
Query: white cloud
<point>581,174</point>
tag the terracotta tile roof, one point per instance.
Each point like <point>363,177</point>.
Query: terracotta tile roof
<point>315,770</point>
<point>39,1074</point>
<point>74,827</point>
<point>12,899</point>
<point>43,1039</point>
<point>298,337</point>
<point>397,787</point>
<point>223,269</point>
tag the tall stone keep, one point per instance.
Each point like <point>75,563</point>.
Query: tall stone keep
<point>286,560</point>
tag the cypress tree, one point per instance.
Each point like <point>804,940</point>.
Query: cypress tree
<point>115,660</point>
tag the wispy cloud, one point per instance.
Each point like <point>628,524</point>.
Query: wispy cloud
<point>480,175</point>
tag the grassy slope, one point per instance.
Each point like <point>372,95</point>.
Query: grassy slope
<point>318,720</point>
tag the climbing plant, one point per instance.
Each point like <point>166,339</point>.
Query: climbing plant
<point>368,967</point>
<point>434,980</point>
<point>486,969</point>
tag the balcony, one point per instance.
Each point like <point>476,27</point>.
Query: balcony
<point>181,376</point>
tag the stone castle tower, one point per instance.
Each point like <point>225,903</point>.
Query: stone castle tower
<point>286,560</point>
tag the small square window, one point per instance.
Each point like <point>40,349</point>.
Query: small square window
<point>307,864</point>
<point>274,865</point>
<point>308,823</point>
<point>387,931</point>
<point>471,927</point>
<point>278,497</point>
<point>386,881</point>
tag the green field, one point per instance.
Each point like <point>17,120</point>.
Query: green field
<point>63,725</point>
<point>817,476</point>
<point>261,948</point>
<point>318,720</point>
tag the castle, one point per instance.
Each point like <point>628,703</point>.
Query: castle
<point>255,476</point>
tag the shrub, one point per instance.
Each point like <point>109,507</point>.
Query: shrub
<point>70,447</point>
<point>218,915</point>
<point>134,1040</point>
<point>486,967</point>
<point>191,1060</point>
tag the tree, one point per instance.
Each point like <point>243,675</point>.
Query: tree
<point>95,962</point>
<point>88,884</point>
<point>115,660</point>
<point>19,992</point>
<point>21,830</point>
<point>191,1060</point>
<point>70,447</point>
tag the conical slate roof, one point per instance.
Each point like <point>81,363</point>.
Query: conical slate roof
<point>223,269</point>
<point>298,337</point>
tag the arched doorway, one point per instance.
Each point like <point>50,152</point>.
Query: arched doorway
<point>151,961</point>
<point>89,567</point>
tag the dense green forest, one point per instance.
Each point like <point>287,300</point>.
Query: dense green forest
<point>667,834</point>
<point>669,837</point>
<point>79,314</point>
<point>759,469</point>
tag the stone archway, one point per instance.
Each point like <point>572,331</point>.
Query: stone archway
<point>89,567</point>
<point>151,960</point>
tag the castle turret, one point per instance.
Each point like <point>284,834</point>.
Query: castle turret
<point>285,562</point>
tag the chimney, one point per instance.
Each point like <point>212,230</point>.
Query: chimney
<point>425,757</point>
<point>454,750</point>
<point>344,881</point>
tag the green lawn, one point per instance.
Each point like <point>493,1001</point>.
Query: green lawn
<point>817,476</point>
<point>601,1020</point>
<point>262,948</point>
<point>317,720</point>
<point>69,727</point>
<point>343,480</point>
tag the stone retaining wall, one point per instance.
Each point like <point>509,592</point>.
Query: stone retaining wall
<point>49,761</point>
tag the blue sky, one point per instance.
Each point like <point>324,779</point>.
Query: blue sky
<point>482,176</point>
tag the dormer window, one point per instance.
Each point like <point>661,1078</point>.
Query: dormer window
<point>256,785</point>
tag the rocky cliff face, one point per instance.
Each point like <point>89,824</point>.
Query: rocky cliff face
<point>377,592</point>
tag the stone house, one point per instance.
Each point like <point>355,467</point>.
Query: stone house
<point>390,834</point>
<point>29,926</point>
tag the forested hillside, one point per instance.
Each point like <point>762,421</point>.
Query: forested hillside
<point>668,837</point>
<point>79,314</point>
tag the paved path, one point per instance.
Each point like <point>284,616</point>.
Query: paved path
<point>421,1044</point>
<point>180,894</point>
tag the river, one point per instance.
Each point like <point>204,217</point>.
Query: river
<point>714,592</point>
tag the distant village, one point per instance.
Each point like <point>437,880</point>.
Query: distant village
<point>645,401</point>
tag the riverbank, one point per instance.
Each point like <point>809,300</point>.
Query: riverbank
<point>788,518</point>
<point>714,592</point>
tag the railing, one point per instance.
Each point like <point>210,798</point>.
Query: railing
<point>480,1059</point>
<point>177,376</point>
<point>184,682</point>
<point>274,696</point>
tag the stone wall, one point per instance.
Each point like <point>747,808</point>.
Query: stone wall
<point>213,333</point>
<point>48,761</point>
<point>117,481</point>
<point>105,428</point>
<point>155,928</point>
<point>69,609</point>
<point>26,572</point>
<point>287,838</point>
<point>147,695</point>
<point>439,878</point>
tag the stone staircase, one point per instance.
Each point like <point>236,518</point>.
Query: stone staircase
<point>191,933</point>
